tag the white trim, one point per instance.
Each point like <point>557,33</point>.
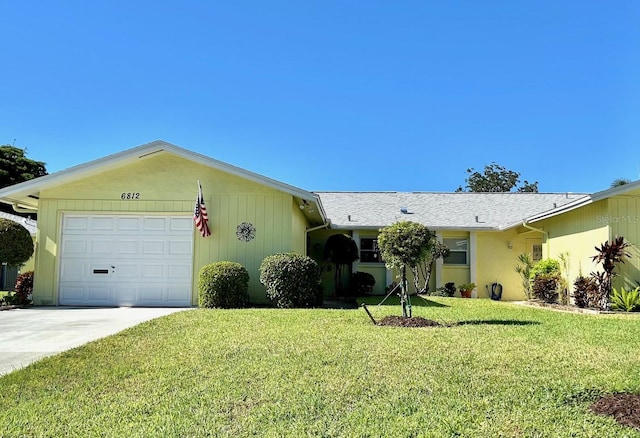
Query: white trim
<point>473,267</point>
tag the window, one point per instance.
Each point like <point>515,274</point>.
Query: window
<point>536,250</point>
<point>369,252</point>
<point>459,250</point>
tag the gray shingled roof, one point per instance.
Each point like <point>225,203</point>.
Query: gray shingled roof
<point>471,211</point>
<point>29,224</point>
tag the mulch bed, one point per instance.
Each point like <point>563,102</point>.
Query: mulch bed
<point>625,408</point>
<point>400,321</point>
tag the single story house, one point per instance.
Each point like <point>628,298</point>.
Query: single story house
<point>119,231</point>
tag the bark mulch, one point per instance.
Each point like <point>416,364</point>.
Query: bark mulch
<point>625,408</point>
<point>400,321</point>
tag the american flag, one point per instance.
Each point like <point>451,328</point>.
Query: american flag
<point>200,216</point>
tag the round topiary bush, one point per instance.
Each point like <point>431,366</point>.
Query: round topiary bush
<point>224,285</point>
<point>292,280</point>
<point>16,245</point>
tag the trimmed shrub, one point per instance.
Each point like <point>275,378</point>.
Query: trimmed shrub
<point>24,288</point>
<point>16,245</point>
<point>585,292</point>
<point>292,280</point>
<point>362,283</point>
<point>224,285</point>
<point>545,287</point>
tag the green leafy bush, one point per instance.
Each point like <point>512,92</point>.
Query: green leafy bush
<point>545,287</point>
<point>585,292</point>
<point>626,300</point>
<point>448,290</point>
<point>362,283</point>
<point>224,285</point>
<point>545,267</point>
<point>16,245</point>
<point>292,280</point>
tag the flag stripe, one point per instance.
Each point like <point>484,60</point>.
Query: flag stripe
<point>200,215</point>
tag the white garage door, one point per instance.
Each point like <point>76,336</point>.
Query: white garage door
<point>120,260</point>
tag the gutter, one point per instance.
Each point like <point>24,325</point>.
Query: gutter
<point>19,209</point>
<point>539,230</point>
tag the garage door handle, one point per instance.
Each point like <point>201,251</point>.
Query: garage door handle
<point>100,271</point>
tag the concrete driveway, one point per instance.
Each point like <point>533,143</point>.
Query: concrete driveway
<point>27,335</point>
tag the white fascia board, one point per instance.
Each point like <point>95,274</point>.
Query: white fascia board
<point>585,200</point>
<point>615,191</point>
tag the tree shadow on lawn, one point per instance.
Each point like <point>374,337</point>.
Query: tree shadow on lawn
<point>416,301</point>
<point>495,322</point>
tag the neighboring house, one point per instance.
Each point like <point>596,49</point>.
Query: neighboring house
<point>484,232</point>
<point>120,231</point>
<point>8,274</point>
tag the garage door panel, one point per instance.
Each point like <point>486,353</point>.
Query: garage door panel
<point>98,247</point>
<point>128,224</point>
<point>101,223</point>
<point>180,247</point>
<point>155,224</point>
<point>76,224</point>
<point>153,270</point>
<point>181,224</point>
<point>77,247</point>
<point>154,247</point>
<point>126,261</point>
<point>127,271</point>
<point>179,271</point>
<point>127,247</point>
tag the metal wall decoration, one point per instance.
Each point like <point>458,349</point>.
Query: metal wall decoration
<point>245,232</point>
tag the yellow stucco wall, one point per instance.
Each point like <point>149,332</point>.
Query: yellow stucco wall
<point>497,255</point>
<point>167,184</point>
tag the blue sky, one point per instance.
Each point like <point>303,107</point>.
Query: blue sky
<point>333,95</point>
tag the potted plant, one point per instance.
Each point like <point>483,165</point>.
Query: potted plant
<point>466,289</point>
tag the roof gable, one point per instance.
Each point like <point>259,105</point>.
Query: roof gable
<point>26,194</point>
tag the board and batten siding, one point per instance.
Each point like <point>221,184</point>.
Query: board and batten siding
<point>624,220</point>
<point>576,233</point>
<point>167,185</point>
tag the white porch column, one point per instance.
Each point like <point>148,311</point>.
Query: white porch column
<point>355,266</point>
<point>473,272</point>
<point>439,264</point>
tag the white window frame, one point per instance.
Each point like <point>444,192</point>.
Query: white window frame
<point>454,243</point>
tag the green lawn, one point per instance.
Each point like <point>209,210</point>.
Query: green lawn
<point>498,369</point>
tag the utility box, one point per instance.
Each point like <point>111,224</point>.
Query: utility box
<point>8,277</point>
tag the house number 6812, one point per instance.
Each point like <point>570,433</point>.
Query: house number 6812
<point>130,195</point>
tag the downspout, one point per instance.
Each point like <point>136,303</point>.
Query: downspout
<point>539,230</point>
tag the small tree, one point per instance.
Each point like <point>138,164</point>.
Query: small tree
<point>341,250</point>
<point>523,268</point>
<point>404,245</point>
<point>16,245</point>
<point>422,270</point>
